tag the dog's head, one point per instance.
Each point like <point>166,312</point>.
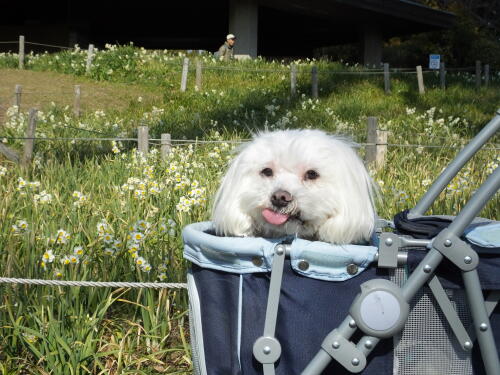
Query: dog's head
<point>296,182</point>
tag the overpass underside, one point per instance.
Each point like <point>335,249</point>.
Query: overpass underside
<point>275,28</point>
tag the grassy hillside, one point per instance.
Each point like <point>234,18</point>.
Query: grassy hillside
<point>97,210</point>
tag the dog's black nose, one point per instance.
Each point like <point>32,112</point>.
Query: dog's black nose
<point>281,198</point>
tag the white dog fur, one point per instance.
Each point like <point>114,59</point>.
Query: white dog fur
<point>318,182</point>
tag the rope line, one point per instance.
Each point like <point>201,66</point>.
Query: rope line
<point>181,142</point>
<point>47,92</point>
<point>98,284</point>
<point>70,139</point>
<point>85,130</point>
<point>47,45</point>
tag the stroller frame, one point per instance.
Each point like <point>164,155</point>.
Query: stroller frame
<point>369,311</point>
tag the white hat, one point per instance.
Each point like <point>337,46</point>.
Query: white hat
<point>230,36</point>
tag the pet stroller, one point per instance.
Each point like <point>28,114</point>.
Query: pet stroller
<point>421,299</point>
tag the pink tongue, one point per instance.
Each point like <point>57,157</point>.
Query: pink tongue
<point>274,218</point>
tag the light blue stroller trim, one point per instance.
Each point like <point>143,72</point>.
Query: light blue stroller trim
<point>485,235</point>
<point>314,259</point>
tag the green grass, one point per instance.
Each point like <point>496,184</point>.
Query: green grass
<point>98,196</point>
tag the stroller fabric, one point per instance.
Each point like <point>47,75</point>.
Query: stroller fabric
<point>233,301</point>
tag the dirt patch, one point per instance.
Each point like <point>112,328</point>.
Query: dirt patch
<point>40,89</point>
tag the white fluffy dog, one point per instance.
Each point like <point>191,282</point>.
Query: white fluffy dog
<point>296,182</point>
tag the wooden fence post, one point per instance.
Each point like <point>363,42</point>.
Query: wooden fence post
<point>90,56</point>
<point>30,135</point>
<point>166,145</point>
<point>371,139</point>
<point>9,153</point>
<point>478,74</point>
<point>381,148</point>
<point>376,149</point>
<point>18,91</point>
<point>293,79</point>
<point>387,79</point>
<point>442,75</point>
<point>21,51</point>
<point>314,81</point>
<point>77,101</point>
<point>184,76</point>
<point>420,79</point>
<point>197,87</point>
<point>486,75</point>
<point>143,140</point>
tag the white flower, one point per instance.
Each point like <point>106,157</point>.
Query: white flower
<point>22,225</point>
<point>78,251</point>
<point>137,236</point>
<point>109,251</point>
<point>43,198</point>
<point>62,237</point>
<point>107,238</point>
<point>141,226</point>
<point>48,256</point>
<point>426,182</point>
<point>146,267</point>
<point>103,227</point>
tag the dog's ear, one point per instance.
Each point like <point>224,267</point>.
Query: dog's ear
<point>352,219</point>
<point>227,215</point>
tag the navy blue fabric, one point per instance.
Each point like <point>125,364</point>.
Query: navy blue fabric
<point>218,292</point>
<point>309,309</point>
<point>488,269</point>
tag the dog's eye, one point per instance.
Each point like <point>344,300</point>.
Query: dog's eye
<point>311,175</point>
<point>268,172</point>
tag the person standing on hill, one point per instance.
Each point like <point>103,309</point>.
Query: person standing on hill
<point>226,51</point>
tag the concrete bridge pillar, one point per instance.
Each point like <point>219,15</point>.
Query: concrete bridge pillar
<point>243,23</point>
<point>372,42</point>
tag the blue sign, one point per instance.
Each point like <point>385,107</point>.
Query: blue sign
<point>434,61</point>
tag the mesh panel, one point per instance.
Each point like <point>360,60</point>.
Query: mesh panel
<point>427,345</point>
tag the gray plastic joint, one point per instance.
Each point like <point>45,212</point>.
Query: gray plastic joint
<point>456,250</point>
<point>266,350</point>
<point>380,310</point>
<point>467,345</point>
<point>280,249</point>
<point>389,245</point>
<point>344,352</point>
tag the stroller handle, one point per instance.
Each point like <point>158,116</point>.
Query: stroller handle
<point>455,166</point>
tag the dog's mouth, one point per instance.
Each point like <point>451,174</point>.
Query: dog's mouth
<point>278,218</point>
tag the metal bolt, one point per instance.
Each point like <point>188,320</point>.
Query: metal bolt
<point>388,241</point>
<point>447,243</point>
<point>352,269</point>
<point>483,327</point>
<point>427,268</point>
<point>303,265</point>
<point>352,323</point>
<point>336,345</point>
<point>467,260</point>
<point>266,350</point>
<point>257,261</point>
<point>368,344</point>
<point>468,345</point>
<point>355,361</point>
<point>280,250</point>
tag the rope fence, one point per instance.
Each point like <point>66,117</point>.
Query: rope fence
<point>49,45</point>
<point>184,142</point>
<point>95,284</point>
